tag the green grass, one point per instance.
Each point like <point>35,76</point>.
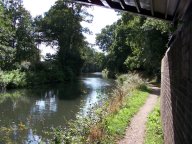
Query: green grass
<point>116,124</point>
<point>107,121</point>
<point>154,133</point>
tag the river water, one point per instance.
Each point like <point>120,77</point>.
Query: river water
<point>26,114</point>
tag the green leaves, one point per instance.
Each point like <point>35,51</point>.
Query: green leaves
<point>17,42</point>
<point>105,39</point>
<point>162,26</point>
<point>134,43</point>
<point>60,27</point>
<point>154,132</point>
<point>13,78</point>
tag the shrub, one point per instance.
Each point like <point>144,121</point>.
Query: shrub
<point>12,79</point>
<point>108,74</point>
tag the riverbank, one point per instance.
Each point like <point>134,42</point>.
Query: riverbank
<point>107,120</point>
<point>21,79</point>
<point>103,122</point>
<point>17,79</point>
<point>45,107</point>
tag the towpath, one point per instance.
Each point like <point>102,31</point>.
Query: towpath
<point>135,132</point>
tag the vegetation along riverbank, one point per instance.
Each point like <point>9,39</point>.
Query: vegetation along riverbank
<point>107,120</point>
<point>131,44</point>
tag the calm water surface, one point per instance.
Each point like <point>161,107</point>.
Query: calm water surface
<point>26,114</point>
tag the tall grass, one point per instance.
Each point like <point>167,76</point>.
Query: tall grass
<point>116,123</point>
<point>109,118</point>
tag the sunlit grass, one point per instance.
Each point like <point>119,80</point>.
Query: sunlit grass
<point>154,133</point>
<point>127,99</point>
<point>116,124</point>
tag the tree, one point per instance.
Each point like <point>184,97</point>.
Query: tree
<point>105,39</point>
<point>112,39</point>
<point>7,53</point>
<point>93,61</point>
<point>61,28</point>
<point>134,43</point>
<point>16,35</point>
<point>25,42</point>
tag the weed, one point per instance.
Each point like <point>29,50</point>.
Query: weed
<point>108,119</point>
<point>117,123</point>
<point>154,133</point>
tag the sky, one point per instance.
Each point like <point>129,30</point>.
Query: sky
<point>101,18</point>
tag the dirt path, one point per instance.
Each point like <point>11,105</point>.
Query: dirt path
<point>136,131</point>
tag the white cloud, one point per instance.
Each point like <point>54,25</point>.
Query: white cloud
<point>38,7</point>
<point>102,17</point>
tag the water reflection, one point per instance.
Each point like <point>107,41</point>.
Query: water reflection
<point>46,105</point>
<point>30,112</point>
<point>32,138</point>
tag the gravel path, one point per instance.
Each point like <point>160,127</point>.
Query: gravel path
<point>136,131</point>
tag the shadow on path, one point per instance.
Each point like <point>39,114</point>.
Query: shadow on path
<point>155,90</point>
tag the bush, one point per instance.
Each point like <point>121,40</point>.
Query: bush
<point>12,79</point>
<point>108,74</point>
<point>69,74</point>
<point>44,77</point>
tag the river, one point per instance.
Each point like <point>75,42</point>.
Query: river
<point>26,114</point>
